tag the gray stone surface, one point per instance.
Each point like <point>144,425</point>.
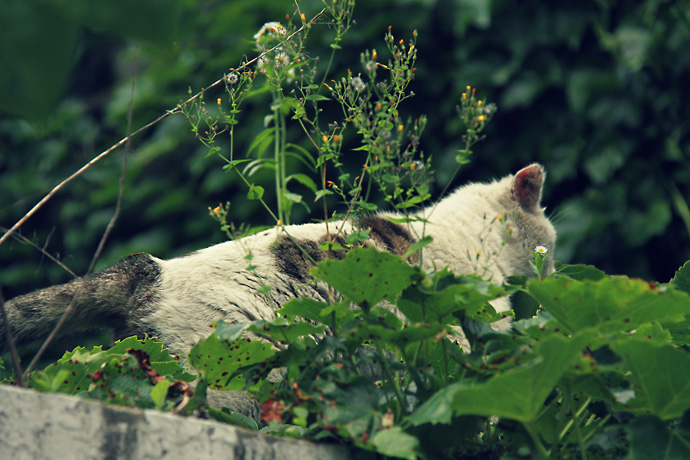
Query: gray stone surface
<point>36,426</point>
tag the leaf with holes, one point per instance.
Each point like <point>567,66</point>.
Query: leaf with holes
<point>366,276</point>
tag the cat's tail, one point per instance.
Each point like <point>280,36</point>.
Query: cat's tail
<point>112,298</point>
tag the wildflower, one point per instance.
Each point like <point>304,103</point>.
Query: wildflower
<point>370,66</point>
<point>358,85</point>
<point>263,61</point>
<point>489,109</point>
<point>219,101</point>
<point>282,59</point>
<point>374,55</point>
<point>541,250</point>
<point>481,118</point>
<point>303,17</point>
<point>417,165</point>
<point>499,217</point>
<point>270,28</point>
<point>400,128</point>
<point>336,138</point>
<point>231,78</point>
<point>325,139</point>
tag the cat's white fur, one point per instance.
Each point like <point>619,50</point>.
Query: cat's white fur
<point>177,300</point>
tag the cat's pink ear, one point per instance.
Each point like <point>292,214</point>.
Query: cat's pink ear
<point>527,186</point>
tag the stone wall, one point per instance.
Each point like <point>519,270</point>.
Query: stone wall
<point>37,426</point>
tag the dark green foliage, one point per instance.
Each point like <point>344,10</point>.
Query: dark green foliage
<point>114,375</point>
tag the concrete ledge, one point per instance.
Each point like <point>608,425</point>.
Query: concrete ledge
<point>37,426</point>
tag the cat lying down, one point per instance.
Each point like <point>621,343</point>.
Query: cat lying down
<point>177,300</point>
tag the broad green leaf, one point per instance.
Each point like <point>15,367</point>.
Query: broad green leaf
<point>80,365</point>
<point>396,443</point>
<point>366,276</point>
<point>216,359</point>
<point>660,375</point>
<point>519,394</point>
<point>609,305</point>
<point>287,331</point>
<point>581,272</point>
<point>449,294</point>
<point>437,409</point>
<point>650,438</point>
<point>303,307</point>
<point>681,280</point>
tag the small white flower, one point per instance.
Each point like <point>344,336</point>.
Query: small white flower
<point>370,66</point>
<point>541,250</point>
<point>274,28</point>
<point>231,78</point>
<point>270,29</point>
<point>262,62</point>
<point>282,59</point>
<point>358,84</point>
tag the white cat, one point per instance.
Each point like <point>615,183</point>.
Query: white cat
<point>487,228</point>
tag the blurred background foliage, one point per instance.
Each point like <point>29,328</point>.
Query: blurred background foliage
<point>596,90</point>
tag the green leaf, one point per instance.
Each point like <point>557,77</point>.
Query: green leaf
<point>212,151</point>
<point>279,329</point>
<point>294,197</point>
<point>302,179</point>
<point>159,392</point>
<point>262,141</point>
<point>322,193</point>
<point>217,359</point>
<point>437,409</point>
<point>366,276</point>
<point>416,246</point>
<point>581,272</point>
<point>386,125</point>
<point>610,304</point>
<point>234,163</point>
<point>303,307</point>
<point>256,192</point>
<point>519,394</point>
<point>661,377</point>
<point>651,438</point>
<point>332,246</point>
<point>396,443</point>
<point>317,97</point>
<point>233,418</point>
<point>367,206</point>
<point>447,295</point>
<point>681,280</point>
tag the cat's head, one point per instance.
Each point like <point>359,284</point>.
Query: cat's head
<point>532,228</point>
